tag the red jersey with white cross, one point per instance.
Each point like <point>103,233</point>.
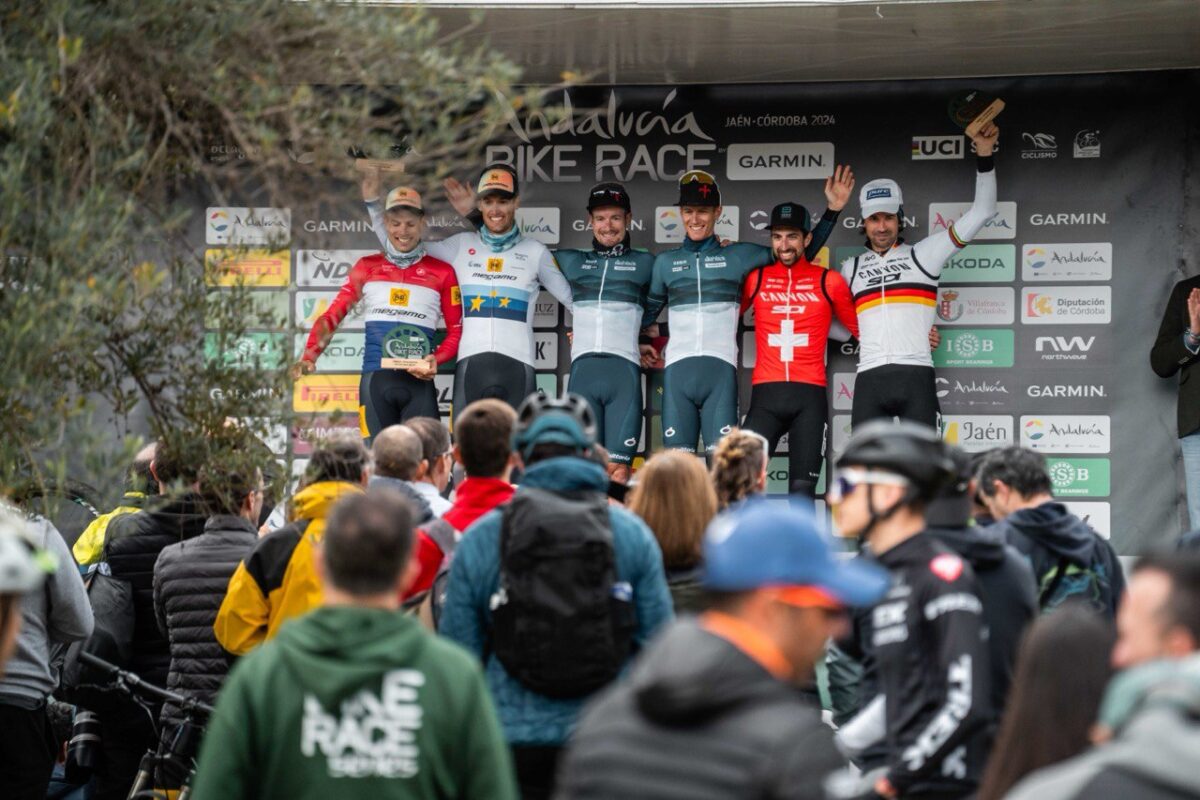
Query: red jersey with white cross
<point>793,309</point>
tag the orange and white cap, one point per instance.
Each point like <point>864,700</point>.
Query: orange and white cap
<point>404,197</point>
<point>497,179</point>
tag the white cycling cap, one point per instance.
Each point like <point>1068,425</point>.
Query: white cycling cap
<point>882,194</point>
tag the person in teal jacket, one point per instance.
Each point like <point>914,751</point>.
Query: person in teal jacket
<point>553,448</point>
<point>355,699</point>
<point>700,284</point>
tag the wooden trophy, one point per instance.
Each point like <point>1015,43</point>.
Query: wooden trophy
<point>974,109</point>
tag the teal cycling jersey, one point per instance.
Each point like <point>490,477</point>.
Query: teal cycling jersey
<point>608,290</point>
<point>700,284</point>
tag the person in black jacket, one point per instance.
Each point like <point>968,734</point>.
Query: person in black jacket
<point>132,545</point>
<point>928,634</point>
<point>1070,561</point>
<point>1009,593</point>
<point>1176,350</point>
<point>190,579</point>
<point>714,708</point>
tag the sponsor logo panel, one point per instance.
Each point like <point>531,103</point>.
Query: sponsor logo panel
<point>1090,261</point>
<point>975,305</point>
<point>247,226</point>
<point>839,432</point>
<point>955,391</point>
<point>1075,433</point>
<point>1098,515</point>
<point>308,433</point>
<point>1076,346</point>
<point>311,305</point>
<point>540,223</point>
<point>326,268</point>
<point>976,433</point>
<point>841,390</point>
<point>326,394</point>
<point>981,263</point>
<point>1080,477</point>
<point>938,148</point>
<point>779,161</point>
<point>344,353</point>
<point>1002,225</point>
<point>545,351</point>
<point>974,347</point>
<point>249,351</point>
<point>266,309</point>
<point>237,267</point>
<point>545,311</point>
<point>1038,146</point>
<point>1087,143</point>
<point>1066,305</point>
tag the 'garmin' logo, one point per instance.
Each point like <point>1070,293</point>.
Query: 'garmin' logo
<point>1067,391</point>
<point>1083,218</point>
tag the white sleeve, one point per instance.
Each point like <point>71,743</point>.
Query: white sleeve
<point>867,728</point>
<point>932,252</point>
<point>447,249</point>
<point>375,211</point>
<point>552,279</point>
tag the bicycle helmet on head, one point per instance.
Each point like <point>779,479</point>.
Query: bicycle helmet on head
<point>566,420</point>
<point>913,451</point>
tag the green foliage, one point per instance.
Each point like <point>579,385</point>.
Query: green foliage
<point>118,120</point>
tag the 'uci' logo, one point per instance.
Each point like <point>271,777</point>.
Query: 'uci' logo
<point>399,297</point>
<point>495,264</point>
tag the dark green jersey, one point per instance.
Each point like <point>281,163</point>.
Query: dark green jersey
<point>608,289</point>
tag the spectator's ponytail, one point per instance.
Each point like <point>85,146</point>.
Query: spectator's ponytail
<point>738,466</point>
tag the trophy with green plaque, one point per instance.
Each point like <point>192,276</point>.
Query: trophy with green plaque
<point>405,347</point>
<point>974,109</point>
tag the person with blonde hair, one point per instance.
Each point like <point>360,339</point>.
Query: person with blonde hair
<point>674,497</point>
<point>739,467</point>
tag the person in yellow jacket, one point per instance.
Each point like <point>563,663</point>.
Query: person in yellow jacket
<point>278,579</point>
<point>142,485</point>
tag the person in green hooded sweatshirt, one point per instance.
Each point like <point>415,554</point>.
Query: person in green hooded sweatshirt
<point>355,699</point>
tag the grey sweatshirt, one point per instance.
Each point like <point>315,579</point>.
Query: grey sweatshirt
<point>58,612</point>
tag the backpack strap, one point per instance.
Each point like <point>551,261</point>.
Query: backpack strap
<point>1060,573</point>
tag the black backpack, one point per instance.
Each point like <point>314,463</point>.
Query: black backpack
<point>562,624</point>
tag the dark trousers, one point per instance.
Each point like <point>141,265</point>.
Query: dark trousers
<point>27,753</point>
<point>125,735</point>
<point>536,768</point>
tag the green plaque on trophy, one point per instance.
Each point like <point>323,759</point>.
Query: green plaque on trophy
<point>974,109</point>
<point>404,346</point>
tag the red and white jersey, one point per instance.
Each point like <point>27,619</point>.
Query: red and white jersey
<point>793,309</point>
<point>402,309</point>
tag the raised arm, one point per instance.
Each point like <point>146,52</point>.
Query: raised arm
<point>933,251</point>
<point>838,188</point>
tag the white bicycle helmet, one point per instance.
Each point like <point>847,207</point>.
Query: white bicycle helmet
<point>23,566</point>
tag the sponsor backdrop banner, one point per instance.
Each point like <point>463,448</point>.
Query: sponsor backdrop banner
<point>1047,319</point>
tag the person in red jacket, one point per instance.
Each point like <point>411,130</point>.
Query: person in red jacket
<point>483,445</point>
<point>404,290</point>
<point>794,305</point>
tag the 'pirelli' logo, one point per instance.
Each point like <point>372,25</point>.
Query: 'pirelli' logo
<point>495,264</point>
<point>399,297</point>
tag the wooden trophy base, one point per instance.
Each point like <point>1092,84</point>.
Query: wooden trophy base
<point>987,115</point>
<point>401,363</point>
<point>381,164</point>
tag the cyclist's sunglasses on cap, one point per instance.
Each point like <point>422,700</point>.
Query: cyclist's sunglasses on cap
<point>498,181</point>
<point>404,197</point>
<point>847,479</point>
<point>698,188</point>
<point>697,176</point>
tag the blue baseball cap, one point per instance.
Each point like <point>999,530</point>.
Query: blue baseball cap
<point>764,544</point>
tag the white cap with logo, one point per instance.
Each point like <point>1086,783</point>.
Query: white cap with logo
<point>882,194</point>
